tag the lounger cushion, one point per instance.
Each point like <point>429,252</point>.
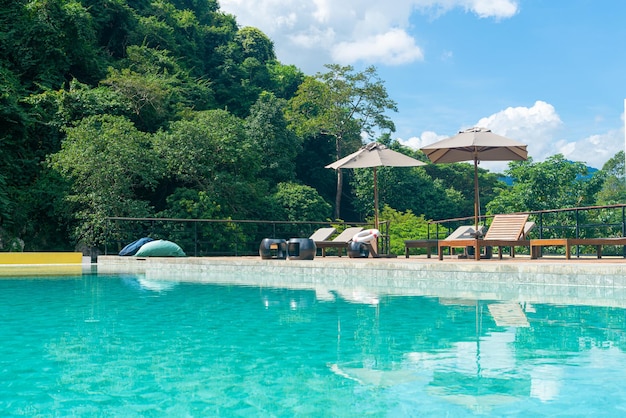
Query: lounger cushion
<point>160,248</point>
<point>133,247</point>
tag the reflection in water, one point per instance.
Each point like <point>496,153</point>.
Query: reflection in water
<point>156,285</point>
<point>545,382</point>
<point>518,351</point>
<point>181,348</point>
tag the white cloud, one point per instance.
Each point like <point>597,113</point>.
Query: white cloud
<point>493,8</point>
<point>536,126</point>
<point>594,150</point>
<point>393,48</point>
<point>540,127</point>
<point>427,137</point>
<point>312,33</point>
<point>498,9</point>
<point>313,38</point>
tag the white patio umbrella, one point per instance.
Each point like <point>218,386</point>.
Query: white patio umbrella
<point>475,144</point>
<point>375,155</point>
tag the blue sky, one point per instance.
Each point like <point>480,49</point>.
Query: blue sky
<point>549,73</point>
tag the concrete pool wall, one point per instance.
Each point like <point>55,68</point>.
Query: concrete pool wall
<point>586,282</point>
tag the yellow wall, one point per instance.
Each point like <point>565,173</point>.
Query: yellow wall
<point>41,258</point>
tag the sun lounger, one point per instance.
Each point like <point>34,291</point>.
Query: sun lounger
<point>322,234</point>
<point>462,232</point>
<point>340,242</point>
<point>528,226</point>
<point>504,231</point>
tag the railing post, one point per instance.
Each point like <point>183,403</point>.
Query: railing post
<point>623,229</point>
<point>195,239</point>
<point>387,237</point>
<point>577,233</point>
<point>106,235</point>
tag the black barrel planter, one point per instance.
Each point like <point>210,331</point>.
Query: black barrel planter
<point>301,249</point>
<point>358,250</point>
<point>272,248</point>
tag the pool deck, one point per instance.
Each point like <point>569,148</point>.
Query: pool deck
<point>585,281</point>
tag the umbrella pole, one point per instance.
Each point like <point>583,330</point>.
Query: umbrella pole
<point>476,207</point>
<point>375,199</point>
<point>375,208</point>
<point>476,201</point>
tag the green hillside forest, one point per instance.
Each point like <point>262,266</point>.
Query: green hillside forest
<point>169,108</point>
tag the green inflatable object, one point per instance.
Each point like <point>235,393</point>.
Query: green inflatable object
<point>160,248</point>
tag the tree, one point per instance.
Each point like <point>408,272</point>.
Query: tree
<point>196,150</point>
<point>242,72</point>
<point>75,69</point>
<point>458,181</point>
<point>156,88</point>
<point>114,22</point>
<point>109,163</point>
<point>551,184</point>
<point>403,226</point>
<point>51,42</point>
<point>343,104</point>
<point>301,203</point>
<point>285,79</point>
<point>406,189</point>
<point>13,122</point>
<point>211,152</point>
<point>255,44</point>
<point>614,187</point>
<point>278,145</point>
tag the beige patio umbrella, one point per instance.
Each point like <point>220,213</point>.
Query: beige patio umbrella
<point>475,144</point>
<point>375,155</point>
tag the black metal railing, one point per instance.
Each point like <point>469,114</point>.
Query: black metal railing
<point>218,237</point>
<point>582,222</point>
<point>226,237</point>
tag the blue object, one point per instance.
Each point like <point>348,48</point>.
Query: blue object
<point>133,247</point>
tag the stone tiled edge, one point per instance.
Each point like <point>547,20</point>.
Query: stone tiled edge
<point>583,283</point>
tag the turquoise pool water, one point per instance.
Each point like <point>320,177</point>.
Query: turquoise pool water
<point>124,346</point>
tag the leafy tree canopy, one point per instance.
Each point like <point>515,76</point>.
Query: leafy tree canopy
<point>278,146</point>
<point>108,162</point>
<point>614,186</point>
<point>301,203</point>
<point>553,183</point>
<point>342,104</point>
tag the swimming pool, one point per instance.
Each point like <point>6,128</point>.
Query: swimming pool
<point>125,345</point>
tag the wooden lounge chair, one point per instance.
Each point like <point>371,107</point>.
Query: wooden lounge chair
<point>322,234</point>
<point>340,242</point>
<point>528,226</point>
<point>504,231</point>
<point>462,232</point>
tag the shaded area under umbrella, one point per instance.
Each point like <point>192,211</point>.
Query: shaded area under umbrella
<point>475,144</point>
<point>375,155</point>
